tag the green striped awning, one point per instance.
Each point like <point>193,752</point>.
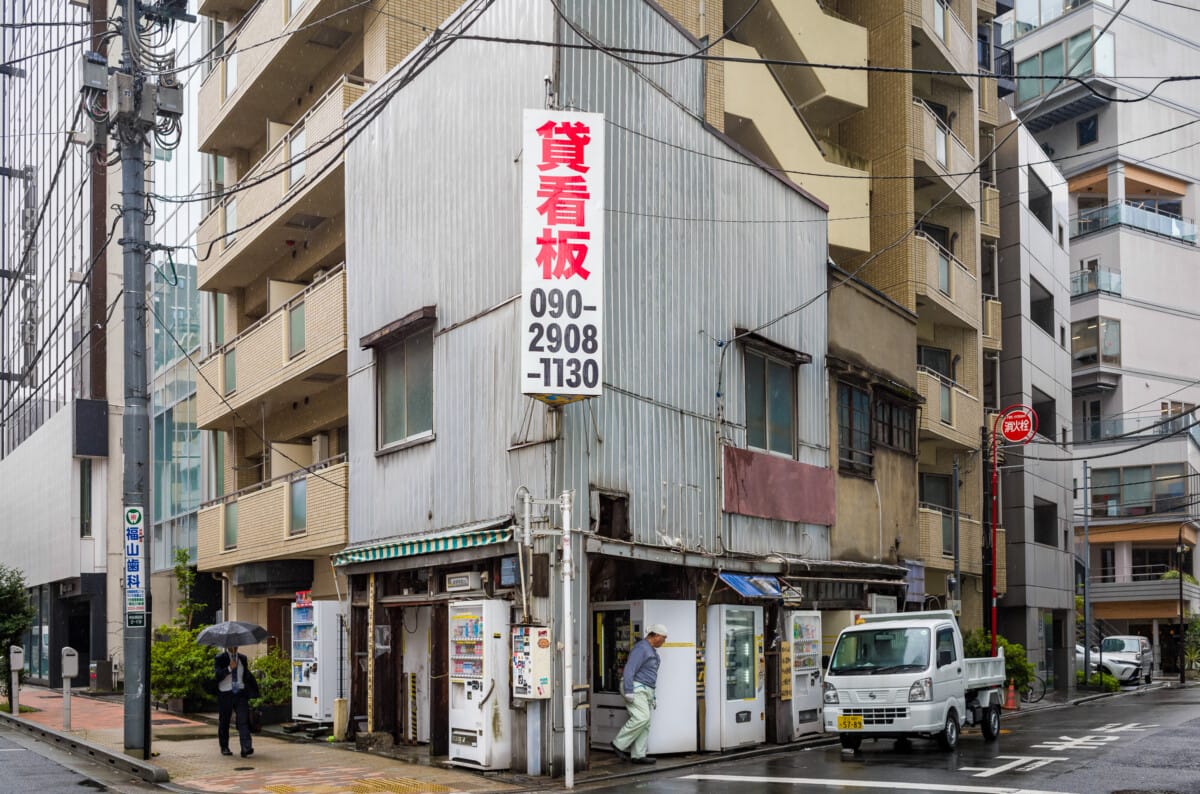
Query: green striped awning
<point>466,537</point>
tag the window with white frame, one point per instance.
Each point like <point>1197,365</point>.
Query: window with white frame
<point>770,403</point>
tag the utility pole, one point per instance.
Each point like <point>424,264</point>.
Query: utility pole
<point>132,115</point>
<point>1087,575</point>
<point>957,589</point>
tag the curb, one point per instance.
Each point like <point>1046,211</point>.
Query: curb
<point>151,773</point>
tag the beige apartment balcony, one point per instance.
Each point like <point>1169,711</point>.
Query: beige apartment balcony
<point>803,30</point>
<point>992,323</point>
<point>228,10</point>
<point>298,515</point>
<point>987,8</point>
<point>989,102</point>
<point>951,415</point>
<point>936,526</point>
<point>941,40</point>
<point>989,211</point>
<point>947,293</point>
<point>760,117</point>
<point>279,358</point>
<point>938,154</point>
<point>279,50</point>
<point>280,202</point>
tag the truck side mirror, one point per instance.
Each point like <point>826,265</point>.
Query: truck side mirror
<point>945,657</point>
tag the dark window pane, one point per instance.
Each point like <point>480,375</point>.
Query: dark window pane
<point>756,401</point>
<point>781,383</point>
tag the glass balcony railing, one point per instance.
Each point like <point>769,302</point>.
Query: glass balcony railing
<point>1137,425</point>
<point>1084,282</point>
<point>1134,216</point>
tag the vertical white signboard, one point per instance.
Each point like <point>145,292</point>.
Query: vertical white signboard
<point>137,580</point>
<point>562,255</point>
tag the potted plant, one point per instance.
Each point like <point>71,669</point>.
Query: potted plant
<point>273,671</point>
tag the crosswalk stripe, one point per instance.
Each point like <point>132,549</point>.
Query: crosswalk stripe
<point>876,784</point>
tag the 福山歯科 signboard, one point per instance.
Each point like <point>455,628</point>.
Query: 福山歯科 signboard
<point>562,255</point>
<point>136,578</point>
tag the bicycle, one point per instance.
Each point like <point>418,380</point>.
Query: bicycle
<point>1034,690</point>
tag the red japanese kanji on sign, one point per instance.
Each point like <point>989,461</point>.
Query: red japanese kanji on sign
<point>562,254</point>
<point>1018,425</point>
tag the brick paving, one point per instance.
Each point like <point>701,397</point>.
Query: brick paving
<point>188,750</point>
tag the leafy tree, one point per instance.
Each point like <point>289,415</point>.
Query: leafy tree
<point>16,616</point>
<point>1017,667</point>
<point>185,579</point>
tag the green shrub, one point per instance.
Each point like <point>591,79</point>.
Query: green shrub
<point>179,666</point>
<point>1098,681</point>
<point>273,671</point>
<point>1173,575</point>
<point>1017,667</point>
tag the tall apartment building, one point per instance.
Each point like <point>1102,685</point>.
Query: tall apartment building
<point>1032,279</point>
<point>1133,191</point>
<point>917,135</point>
<point>271,252</point>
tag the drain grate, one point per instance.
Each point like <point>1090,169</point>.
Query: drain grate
<point>374,785</point>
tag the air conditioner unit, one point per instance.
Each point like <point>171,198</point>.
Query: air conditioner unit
<point>457,582</point>
<point>881,604</point>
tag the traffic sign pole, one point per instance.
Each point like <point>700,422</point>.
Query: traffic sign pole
<point>1018,423</point>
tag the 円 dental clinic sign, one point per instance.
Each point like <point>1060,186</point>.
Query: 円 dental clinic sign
<point>562,255</point>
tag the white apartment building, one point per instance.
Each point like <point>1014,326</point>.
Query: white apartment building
<point>1132,182</point>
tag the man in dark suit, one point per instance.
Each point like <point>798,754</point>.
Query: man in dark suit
<point>235,687</point>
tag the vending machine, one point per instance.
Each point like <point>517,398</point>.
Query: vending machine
<point>480,719</point>
<point>802,631</point>
<point>317,641</point>
<point>735,677</point>
<point>615,627</point>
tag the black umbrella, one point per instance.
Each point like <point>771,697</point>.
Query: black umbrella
<point>232,633</point>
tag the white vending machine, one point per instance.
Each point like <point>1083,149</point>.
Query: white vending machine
<point>615,627</point>
<point>803,633</point>
<point>480,719</point>
<point>317,642</point>
<point>735,678</point>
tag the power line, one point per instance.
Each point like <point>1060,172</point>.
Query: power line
<point>311,469</point>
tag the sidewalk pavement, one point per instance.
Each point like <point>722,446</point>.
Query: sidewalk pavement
<point>188,750</point>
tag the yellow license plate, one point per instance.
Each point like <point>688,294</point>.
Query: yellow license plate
<point>851,723</point>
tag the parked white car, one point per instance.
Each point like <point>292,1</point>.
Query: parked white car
<point>1129,659</point>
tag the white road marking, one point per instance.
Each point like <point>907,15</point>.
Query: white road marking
<point>877,784</point>
<point>1077,743</point>
<point>12,749</point>
<point>1019,763</point>
<point>1116,727</point>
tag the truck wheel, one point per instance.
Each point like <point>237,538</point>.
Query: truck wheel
<point>850,741</point>
<point>991,723</point>
<point>948,738</point>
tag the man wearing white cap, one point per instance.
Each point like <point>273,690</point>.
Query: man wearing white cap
<point>638,682</point>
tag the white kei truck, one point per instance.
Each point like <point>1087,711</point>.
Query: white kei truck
<point>904,674</point>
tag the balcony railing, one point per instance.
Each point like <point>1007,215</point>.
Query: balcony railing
<point>944,279</point>
<point>943,153</point>
<point>303,333</point>
<point>1129,214</point>
<point>989,211</point>
<point>298,513</point>
<point>1144,425</point>
<point>268,190</point>
<point>936,525</point>
<point>1084,282</point>
<point>951,413</point>
<point>943,26</point>
<point>992,324</point>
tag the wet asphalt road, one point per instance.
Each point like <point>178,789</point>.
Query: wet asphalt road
<point>28,766</point>
<point>1143,742</point>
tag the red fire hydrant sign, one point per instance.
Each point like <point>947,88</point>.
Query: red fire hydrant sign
<point>562,255</point>
<point>1019,425</point>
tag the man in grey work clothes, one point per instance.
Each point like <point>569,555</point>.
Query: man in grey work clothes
<point>641,676</point>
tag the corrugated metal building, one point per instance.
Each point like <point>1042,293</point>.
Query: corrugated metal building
<point>702,245</point>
